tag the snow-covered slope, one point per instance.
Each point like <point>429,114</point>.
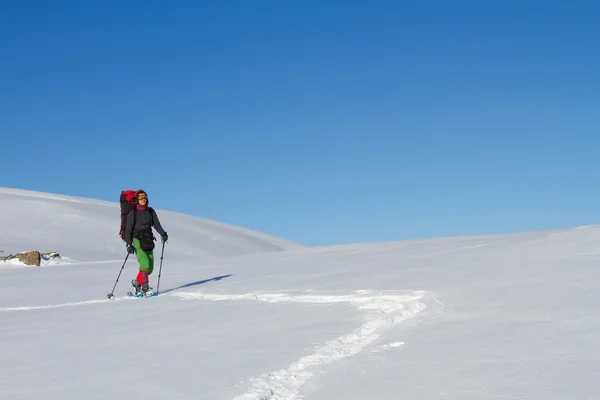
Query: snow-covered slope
<point>87,229</point>
<point>491,317</point>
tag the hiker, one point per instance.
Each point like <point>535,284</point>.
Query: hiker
<point>140,240</point>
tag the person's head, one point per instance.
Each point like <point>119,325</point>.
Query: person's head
<point>142,197</point>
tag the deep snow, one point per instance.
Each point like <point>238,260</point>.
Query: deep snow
<point>243,315</point>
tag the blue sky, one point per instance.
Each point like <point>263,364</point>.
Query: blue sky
<point>320,122</point>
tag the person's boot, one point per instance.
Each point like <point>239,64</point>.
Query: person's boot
<point>136,287</point>
<point>147,290</point>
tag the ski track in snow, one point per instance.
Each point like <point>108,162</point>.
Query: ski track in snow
<point>78,303</point>
<point>285,384</point>
<point>383,311</point>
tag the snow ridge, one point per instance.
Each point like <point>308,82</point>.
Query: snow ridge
<point>382,310</point>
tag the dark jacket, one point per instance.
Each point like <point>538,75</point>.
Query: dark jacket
<point>144,220</point>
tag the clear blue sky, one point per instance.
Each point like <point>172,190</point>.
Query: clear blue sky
<point>322,122</point>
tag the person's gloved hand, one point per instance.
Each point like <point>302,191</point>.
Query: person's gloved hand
<point>165,237</point>
<point>130,249</point>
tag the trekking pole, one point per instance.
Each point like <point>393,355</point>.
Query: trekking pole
<point>111,295</point>
<point>160,268</point>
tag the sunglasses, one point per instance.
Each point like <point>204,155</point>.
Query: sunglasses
<point>142,197</point>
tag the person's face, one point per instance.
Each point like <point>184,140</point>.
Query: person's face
<point>142,200</point>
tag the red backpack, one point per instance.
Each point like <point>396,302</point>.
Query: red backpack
<point>128,203</point>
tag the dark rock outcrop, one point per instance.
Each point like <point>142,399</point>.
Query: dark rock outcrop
<point>33,258</point>
<point>29,257</point>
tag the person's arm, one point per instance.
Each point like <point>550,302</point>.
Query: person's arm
<point>129,228</point>
<point>158,226</point>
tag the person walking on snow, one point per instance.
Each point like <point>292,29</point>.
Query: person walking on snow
<point>139,239</point>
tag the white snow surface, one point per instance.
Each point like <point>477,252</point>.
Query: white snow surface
<point>51,222</point>
<point>252,317</point>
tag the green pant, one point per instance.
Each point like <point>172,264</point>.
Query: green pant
<point>145,258</point>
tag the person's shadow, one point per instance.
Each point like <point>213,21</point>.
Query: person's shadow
<point>216,278</point>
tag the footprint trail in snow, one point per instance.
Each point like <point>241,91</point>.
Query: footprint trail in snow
<point>383,311</point>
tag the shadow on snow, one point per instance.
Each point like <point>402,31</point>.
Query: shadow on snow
<point>216,278</point>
